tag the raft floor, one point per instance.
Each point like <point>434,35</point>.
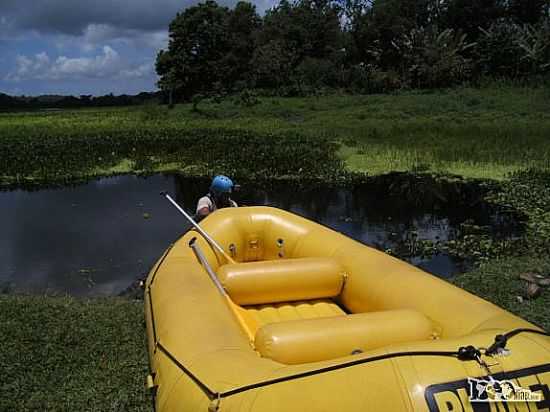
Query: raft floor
<point>280,312</point>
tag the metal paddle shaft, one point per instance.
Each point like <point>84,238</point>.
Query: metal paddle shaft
<point>200,256</point>
<point>237,311</point>
<point>199,229</point>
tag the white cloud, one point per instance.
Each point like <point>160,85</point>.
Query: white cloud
<point>99,66</point>
<point>156,40</point>
<point>16,91</point>
<point>24,67</point>
<point>99,33</point>
<point>145,70</point>
<point>108,64</point>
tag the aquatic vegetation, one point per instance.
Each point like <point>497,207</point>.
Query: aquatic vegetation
<point>499,279</point>
<point>529,192</point>
<point>486,133</point>
<point>499,226</point>
<point>45,158</point>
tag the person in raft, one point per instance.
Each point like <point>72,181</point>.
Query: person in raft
<point>217,198</point>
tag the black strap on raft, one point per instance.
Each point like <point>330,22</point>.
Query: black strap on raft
<point>502,340</point>
<point>452,354</point>
<point>468,353</point>
<point>464,353</point>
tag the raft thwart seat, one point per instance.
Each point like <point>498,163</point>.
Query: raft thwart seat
<point>312,340</point>
<point>285,280</point>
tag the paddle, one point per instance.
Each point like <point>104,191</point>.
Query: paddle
<point>215,245</point>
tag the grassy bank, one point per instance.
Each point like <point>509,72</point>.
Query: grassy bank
<point>64,354</point>
<point>498,281</point>
<point>485,133</point>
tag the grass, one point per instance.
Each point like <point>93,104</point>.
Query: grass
<point>478,133</point>
<point>65,354</point>
<point>498,281</point>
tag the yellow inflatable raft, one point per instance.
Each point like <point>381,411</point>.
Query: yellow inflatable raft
<point>302,318</point>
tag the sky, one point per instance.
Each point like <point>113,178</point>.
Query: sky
<point>77,47</point>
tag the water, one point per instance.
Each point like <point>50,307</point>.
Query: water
<point>98,238</point>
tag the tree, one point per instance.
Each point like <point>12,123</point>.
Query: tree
<point>274,63</point>
<point>375,25</point>
<point>294,32</point>
<point>359,31</point>
<point>527,11</point>
<point>196,53</point>
<point>498,52</point>
<point>535,44</point>
<point>243,26</point>
<point>469,16</point>
<point>210,47</point>
<point>435,59</point>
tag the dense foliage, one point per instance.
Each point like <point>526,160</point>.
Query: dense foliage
<point>70,155</point>
<point>365,46</point>
<point>11,103</point>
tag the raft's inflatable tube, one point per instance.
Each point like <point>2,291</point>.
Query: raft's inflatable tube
<point>312,320</point>
<point>312,340</point>
<point>282,280</point>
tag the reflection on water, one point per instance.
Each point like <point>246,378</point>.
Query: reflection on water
<point>97,238</point>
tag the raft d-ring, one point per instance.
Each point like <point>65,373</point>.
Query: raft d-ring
<point>215,404</point>
<point>233,249</point>
<point>150,383</point>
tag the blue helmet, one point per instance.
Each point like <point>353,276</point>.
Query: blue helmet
<point>221,184</point>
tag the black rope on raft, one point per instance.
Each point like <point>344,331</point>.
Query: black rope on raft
<point>203,386</point>
<point>454,354</point>
<point>464,353</point>
<point>502,340</point>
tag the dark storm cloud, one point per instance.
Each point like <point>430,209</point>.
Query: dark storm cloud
<point>72,17</point>
<point>86,47</point>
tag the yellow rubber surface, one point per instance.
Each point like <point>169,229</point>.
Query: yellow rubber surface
<point>200,354</point>
<point>300,310</point>
<point>282,280</point>
<point>313,340</point>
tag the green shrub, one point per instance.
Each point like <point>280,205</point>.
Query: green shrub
<point>434,59</point>
<point>498,52</point>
